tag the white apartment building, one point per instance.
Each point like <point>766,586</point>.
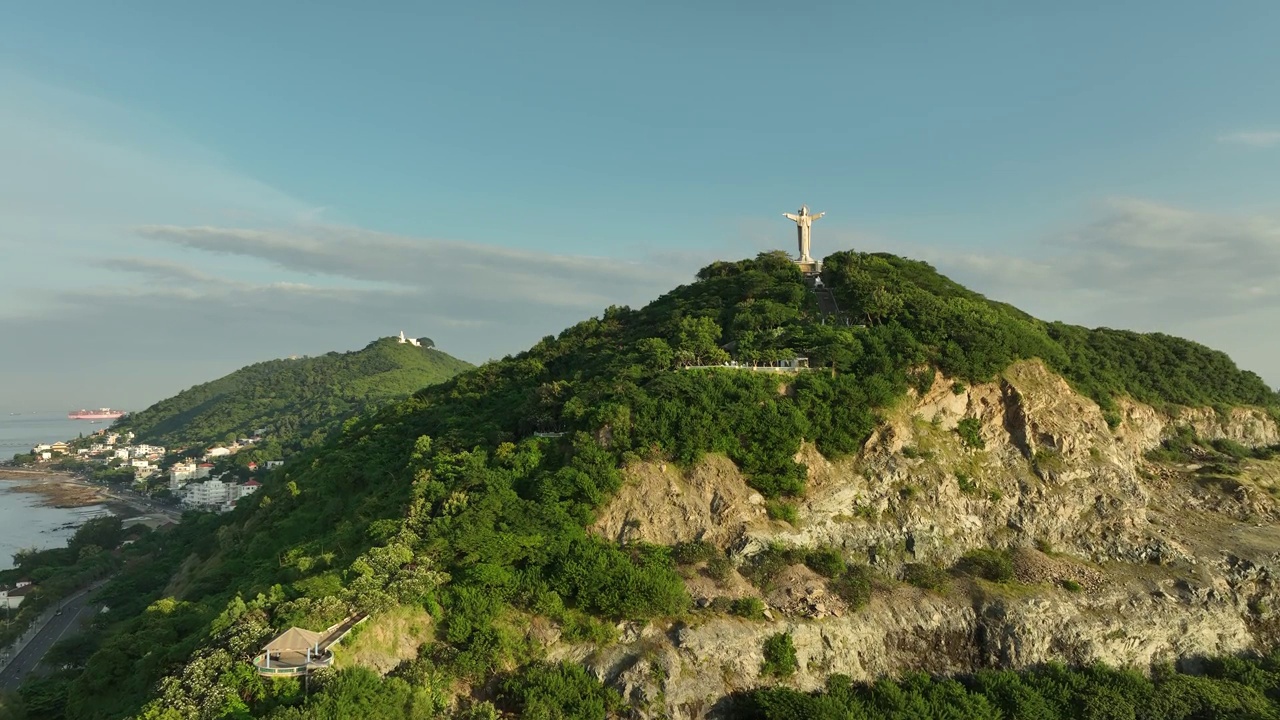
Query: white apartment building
<point>181,474</point>
<point>217,492</point>
<point>147,450</point>
<point>209,492</point>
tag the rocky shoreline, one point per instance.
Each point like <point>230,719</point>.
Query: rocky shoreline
<point>61,490</point>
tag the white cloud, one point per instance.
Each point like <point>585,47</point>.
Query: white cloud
<point>473,277</point>
<point>1152,267</point>
<point>1260,139</point>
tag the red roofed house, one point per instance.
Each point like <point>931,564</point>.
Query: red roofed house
<point>238,491</point>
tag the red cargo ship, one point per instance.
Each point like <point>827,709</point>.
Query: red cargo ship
<point>99,414</point>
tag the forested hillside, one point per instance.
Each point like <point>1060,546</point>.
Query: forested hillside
<point>448,503</point>
<point>299,401</point>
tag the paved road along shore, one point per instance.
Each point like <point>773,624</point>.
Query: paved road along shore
<point>75,610</point>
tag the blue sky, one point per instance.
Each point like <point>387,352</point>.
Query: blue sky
<point>185,189</point>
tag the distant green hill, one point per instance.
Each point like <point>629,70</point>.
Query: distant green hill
<point>299,402</point>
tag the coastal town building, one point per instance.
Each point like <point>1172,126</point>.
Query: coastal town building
<point>12,597</point>
<point>181,474</point>
<point>217,452</point>
<point>210,492</point>
<point>216,493</point>
<point>239,491</point>
<point>273,464</point>
<point>146,451</point>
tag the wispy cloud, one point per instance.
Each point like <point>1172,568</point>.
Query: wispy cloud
<point>1149,266</point>
<point>1141,256</point>
<point>1258,139</point>
<point>156,270</point>
<point>476,277</point>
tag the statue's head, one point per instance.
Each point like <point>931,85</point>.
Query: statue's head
<point>804,209</point>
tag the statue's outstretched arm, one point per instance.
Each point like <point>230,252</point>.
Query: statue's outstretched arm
<point>815,217</point>
<point>792,218</point>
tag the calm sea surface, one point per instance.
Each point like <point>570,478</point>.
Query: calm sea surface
<point>23,522</point>
<point>19,433</point>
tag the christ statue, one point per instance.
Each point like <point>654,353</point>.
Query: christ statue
<point>803,221</point>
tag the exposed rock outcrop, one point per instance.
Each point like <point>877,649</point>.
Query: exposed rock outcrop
<point>1166,565</point>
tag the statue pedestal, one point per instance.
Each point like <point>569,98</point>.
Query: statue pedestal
<point>809,267</point>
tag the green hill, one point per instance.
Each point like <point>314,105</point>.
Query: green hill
<point>298,402</point>
<point>449,503</point>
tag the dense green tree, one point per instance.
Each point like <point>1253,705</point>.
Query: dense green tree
<point>1050,692</point>
<point>292,399</point>
<point>447,500</point>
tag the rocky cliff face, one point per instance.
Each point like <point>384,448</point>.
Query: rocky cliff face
<point>1167,564</point>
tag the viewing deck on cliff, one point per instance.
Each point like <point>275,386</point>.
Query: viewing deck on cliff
<point>297,652</point>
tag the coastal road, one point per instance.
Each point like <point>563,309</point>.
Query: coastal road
<point>142,504</point>
<point>76,610</point>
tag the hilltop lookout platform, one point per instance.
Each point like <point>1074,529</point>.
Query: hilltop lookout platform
<point>297,652</point>
<point>794,365</point>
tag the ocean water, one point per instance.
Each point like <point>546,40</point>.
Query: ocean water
<point>19,433</point>
<point>25,523</point>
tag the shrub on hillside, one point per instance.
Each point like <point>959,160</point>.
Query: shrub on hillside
<point>827,562</point>
<point>782,510</point>
<point>779,656</point>
<point>924,576</point>
<point>719,568</point>
<point>762,568</point>
<point>696,551</point>
<point>970,432</point>
<point>853,586</point>
<point>993,565</point>
<point>747,607</point>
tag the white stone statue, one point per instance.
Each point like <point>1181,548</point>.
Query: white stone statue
<point>803,221</point>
